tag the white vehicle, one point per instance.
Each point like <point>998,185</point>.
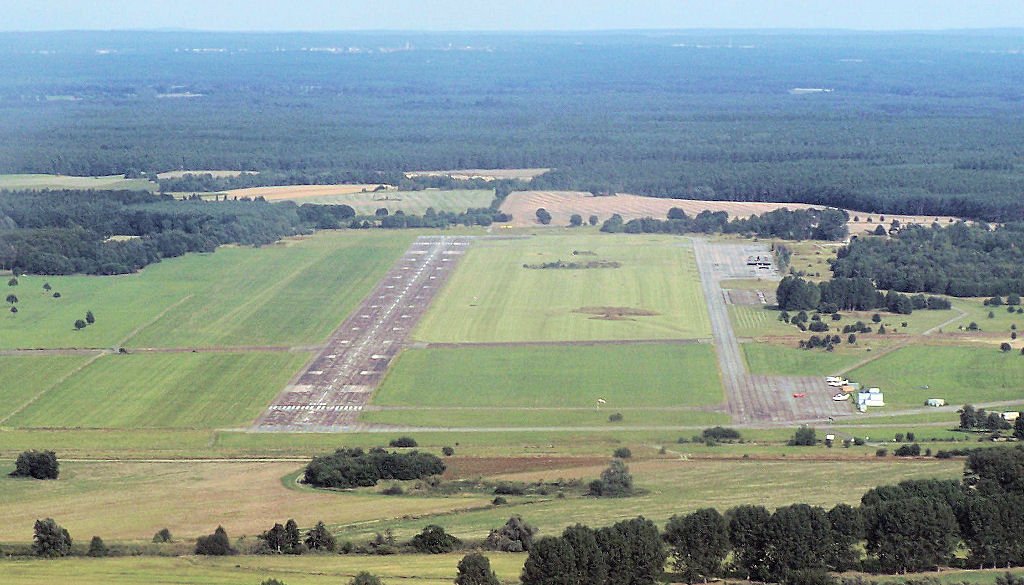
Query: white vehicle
<point>841,397</point>
<point>838,382</point>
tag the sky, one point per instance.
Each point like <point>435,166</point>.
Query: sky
<point>511,15</point>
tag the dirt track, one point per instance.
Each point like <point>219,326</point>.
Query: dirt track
<point>329,393</point>
<point>750,398</point>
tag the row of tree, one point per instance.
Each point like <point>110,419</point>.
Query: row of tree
<point>801,224</point>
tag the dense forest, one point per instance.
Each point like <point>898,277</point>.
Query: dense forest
<point>891,123</point>
<point>960,260</point>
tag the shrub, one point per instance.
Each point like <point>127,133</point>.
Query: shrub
<point>97,548</point>
<point>908,450</point>
<point>507,488</point>
<point>37,465</point>
<point>403,442</point>
<point>164,535</point>
<point>858,441</point>
<point>515,536</point>
<point>622,453</point>
<point>616,417</point>
<point>881,452</point>
<point>475,569</point>
<point>805,436</point>
<point>393,490</point>
<point>615,481</point>
<point>50,539</point>
<point>499,501</point>
<point>447,451</point>
<point>216,544</point>
<point>365,578</point>
<point>434,540</point>
<point>721,434</point>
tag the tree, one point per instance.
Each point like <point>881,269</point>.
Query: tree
<point>319,538</point>
<point>968,417</point>
<point>47,287</point>
<point>37,465</point>
<point>12,282</point>
<point>551,562</point>
<point>1018,428</point>
<point>543,216</point>
<point>515,536</point>
<point>592,220</point>
<point>699,543</point>
<point>403,441</point>
<point>275,538</point>
<point>622,453</point>
<point>1004,347</point>
<point>365,578</point>
<point>14,310</point>
<point>79,325</point>
<point>434,540</point>
<point>805,436</point>
<point>475,569</point>
<point>447,451</point>
<point>97,548</point>
<point>163,535</point>
<point>851,338</point>
<point>12,299</point>
<point>912,534</point>
<point>575,220</point>
<point>590,563</point>
<point>89,318</point>
<point>293,538</point>
<point>270,581</point>
<point>880,231</point>
<point>800,537</point>
<point>750,540</point>
<point>615,481</point>
<point>50,539</point>
<point>634,552</point>
<point>216,544</point>
<point>847,532</point>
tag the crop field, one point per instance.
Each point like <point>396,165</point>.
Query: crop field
<point>957,374</point>
<point>484,174</point>
<point>188,390</point>
<point>654,294</point>
<point>234,297</point>
<point>55,182</point>
<point>561,205</point>
<point>412,202</point>
<point>301,192</point>
<point>569,376</point>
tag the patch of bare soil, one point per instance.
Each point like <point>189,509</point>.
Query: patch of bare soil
<point>615,313</point>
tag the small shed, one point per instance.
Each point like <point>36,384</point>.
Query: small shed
<point>1010,415</point>
<point>935,402</point>
<point>872,397</point>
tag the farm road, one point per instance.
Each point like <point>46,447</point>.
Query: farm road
<point>750,398</point>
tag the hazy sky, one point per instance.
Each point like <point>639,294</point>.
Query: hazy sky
<point>262,15</point>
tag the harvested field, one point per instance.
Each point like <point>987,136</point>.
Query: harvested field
<point>470,467</point>
<point>300,192</point>
<point>885,220</point>
<point>414,202</point>
<point>483,174</point>
<point>562,204</point>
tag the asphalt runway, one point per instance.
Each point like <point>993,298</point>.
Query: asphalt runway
<point>329,394</point>
<point>754,398</point>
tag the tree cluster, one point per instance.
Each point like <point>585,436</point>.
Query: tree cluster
<point>348,468</point>
<point>801,224</point>
<point>37,465</point>
<point>856,294</point>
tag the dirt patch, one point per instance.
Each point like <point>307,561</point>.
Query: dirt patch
<point>615,313</point>
<point>470,467</point>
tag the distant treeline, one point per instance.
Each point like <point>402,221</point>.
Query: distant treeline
<point>800,224</point>
<point>959,260</point>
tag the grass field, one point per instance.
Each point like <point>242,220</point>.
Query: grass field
<point>250,570</point>
<point>412,202</point>
<point>765,358</point>
<point>957,374</point>
<point>574,376</point>
<point>275,295</point>
<point>493,298</point>
<point>24,375</point>
<point>40,182</point>
<point>511,418</point>
<point>756,321</point>
<point>192,390</point>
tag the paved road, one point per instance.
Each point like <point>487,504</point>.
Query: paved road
<point>329,394</point>
<point>754,398</point>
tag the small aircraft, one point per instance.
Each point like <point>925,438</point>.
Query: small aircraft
<point>799,395</point>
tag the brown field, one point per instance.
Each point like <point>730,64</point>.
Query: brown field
<point>299,192</point>
<point>562,204</point>
<point>485,174</point>
<point>859,227</point>
<point>214,174</point>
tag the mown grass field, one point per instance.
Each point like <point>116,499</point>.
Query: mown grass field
<point>410,202</point>
<point>293,292</point>
<point>250,570</point>
<point>956,373</point>
<point>512,418</point>
<point>493,298</point>
<point>787,360</point>
<point>757,321</point>
<point>24,376</point>
<point>191,390</point>
<point>54,182</point>
<point>572,376</point>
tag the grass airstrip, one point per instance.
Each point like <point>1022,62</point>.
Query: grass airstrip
<point>654,293</point>
<point>40,182</point>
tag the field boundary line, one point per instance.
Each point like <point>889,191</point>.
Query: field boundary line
<point>56,383</point>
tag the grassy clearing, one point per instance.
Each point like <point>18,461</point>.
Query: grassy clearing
<point>765,358</point>
<point>958,374</point>
<point>41,182</point>
<point>572,376</point>
<point>493,298</point>
<point>24,376</point>
<point>293,292</point>
<point>757,321</point>
<point>164,390</point>
<point>519,418</point>
<point>249,570</point>
<point>411,202</point>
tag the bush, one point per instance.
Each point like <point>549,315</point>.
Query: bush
<point>859,441</point>
<point>97,548</point>
<point>721,434</point>
<point>615,481</point>
<point>393,490</point>
<point>507,488</point>
<point>37,465</point>
<point>365,578</point>
<point>622,453</point>
<point>434,540</point>
<point>881,452</point>
<point>617,417</point>
<point>908,451</point>
<point>447,451</point>
<point>50,539</point>
<point>347,468</point>
<point>164,535</point>
<point>216,544</point>
<point>515,536</point>
<point>475,569</point>
<point>403,442</point>
<point>805,436</point>
<point>499,501</point>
